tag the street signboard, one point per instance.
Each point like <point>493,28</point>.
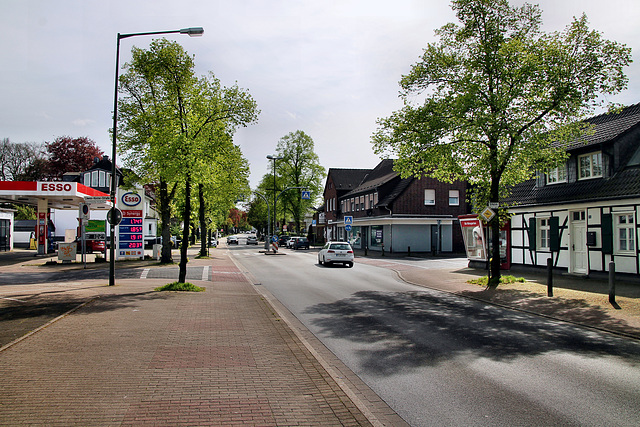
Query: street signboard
<point>347,227</point>
<point>306,195</point>
<point>97,199</point>
<point>348,220</point>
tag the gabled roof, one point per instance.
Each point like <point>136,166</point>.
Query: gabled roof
<point>347,179</point>
<point>609,126</point>
<point>381,174</point>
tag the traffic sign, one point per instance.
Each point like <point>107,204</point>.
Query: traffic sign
<point>306,195</point>
<point>488,214</point>
<point>347,227</point>
<point>83,212</point>
<point>114,216</point>
<point>348,220</point>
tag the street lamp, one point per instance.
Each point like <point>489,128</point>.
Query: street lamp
<point>192,32</point>
<point>274,158</point>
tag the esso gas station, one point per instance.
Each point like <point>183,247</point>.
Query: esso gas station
<point>78,202</point>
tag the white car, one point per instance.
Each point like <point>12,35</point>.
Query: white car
<point>336,252</point>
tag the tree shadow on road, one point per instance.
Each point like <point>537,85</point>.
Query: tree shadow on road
<point>406,330</point>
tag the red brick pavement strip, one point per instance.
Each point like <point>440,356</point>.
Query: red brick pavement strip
<point>138,357</point>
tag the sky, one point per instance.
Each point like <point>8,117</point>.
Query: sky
<point>327,67</point>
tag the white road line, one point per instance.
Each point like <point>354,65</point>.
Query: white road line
<point>145,272</point>
<point>205,273</point>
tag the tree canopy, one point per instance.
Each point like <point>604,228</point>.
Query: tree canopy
<point>496,98</point>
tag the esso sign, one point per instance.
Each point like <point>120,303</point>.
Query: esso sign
<point>131,199</point>
<point>55,186</point>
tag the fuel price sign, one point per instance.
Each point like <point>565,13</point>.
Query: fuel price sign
<point>131,234</point>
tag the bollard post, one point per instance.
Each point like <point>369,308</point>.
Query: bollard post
<point>366,250</point>
<point>549,277</point>
<point>612,282</point>
<point>408,250</point>
<point>383,249</point>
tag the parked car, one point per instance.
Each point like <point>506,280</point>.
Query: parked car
<point>252,240</point>
<point>291,241</point>
<point>282,241</point>
<point>91,246</point>
<point>301,243</point>
<point>232,240</point>
<point>336,252</point>
<point>213,243</point>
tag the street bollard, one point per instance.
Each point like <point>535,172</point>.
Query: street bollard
<point>408,250</point>
<point>612,282</point>
<point>549,277</point>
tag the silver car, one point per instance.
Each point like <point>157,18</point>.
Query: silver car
<point>336,252</point>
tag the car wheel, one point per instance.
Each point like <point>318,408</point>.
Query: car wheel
<point>320,261</point>
<point>349,264</point>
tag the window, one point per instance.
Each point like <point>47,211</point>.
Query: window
<point>103,177</point>
<point>625,233</point>
<point>556,175</point>
<point>429,197</point>
<point>454,198</point>
<point>543,233</point>
<point>590,165</point>
<point>361,203</point>
<point>87,179</point>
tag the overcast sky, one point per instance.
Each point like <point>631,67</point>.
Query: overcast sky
<point>327,67</point>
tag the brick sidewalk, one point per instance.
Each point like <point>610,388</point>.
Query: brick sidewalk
<point>138,357</point>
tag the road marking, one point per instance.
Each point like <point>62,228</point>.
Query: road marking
<point>13,299</point>
<point>205,273</point>
<point>145,272</point>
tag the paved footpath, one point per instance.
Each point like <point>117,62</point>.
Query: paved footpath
<point>132,356</point>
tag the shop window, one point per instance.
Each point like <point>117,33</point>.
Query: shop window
<point>590,165</point>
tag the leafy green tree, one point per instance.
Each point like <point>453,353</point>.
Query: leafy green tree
<point>299,167</point>
<point>174,125</point>
<point>495,98</point>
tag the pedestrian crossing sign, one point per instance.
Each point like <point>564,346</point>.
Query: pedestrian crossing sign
<point>348,220</point>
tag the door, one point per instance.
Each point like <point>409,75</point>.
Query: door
<point>578,244</point>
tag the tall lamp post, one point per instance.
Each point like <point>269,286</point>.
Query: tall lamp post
<point>192,32</point>
<point>274,158</point>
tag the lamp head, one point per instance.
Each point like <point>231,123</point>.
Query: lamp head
<point>193,31</point>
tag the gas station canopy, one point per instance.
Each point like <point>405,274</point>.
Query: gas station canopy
<point>59,195</point>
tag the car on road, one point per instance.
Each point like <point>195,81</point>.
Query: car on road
<point>336,252</point>
<point>301,243</point>
<point>252,240</point>
<point>282,241</point>
<point>291,241</point>
<point>232,240</point>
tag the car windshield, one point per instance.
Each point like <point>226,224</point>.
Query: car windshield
<point>340,246</point>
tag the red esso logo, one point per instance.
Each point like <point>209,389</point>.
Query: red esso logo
<point>55,186</point>
<point>131,199</point>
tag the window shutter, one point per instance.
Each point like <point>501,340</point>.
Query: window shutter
<point>532,234</point>
<point>554,234</point>
<point>607,233</point>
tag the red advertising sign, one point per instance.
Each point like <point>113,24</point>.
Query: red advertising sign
<point>131,213</point>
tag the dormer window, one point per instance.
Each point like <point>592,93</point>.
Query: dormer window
<point>590,165</point>
<point>557,174</point>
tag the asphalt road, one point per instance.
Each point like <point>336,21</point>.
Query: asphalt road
<point>439,359</point>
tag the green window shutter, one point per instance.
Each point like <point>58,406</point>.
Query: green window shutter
<point>532,234</point>
<point>554,234</point>
<point>607,233</point>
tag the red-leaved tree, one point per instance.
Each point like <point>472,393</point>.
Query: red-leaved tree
<point>68,154</point>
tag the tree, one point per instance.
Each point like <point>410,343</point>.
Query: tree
<point>68,154</point>
<point>299,167</point>
<point>500,100</point>
<point>16,159</point>
<point>176,127</point>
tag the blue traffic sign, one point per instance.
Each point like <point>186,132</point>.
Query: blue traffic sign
<point>348,220</point>
<point>306,195</point>
<point>347,227</point>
